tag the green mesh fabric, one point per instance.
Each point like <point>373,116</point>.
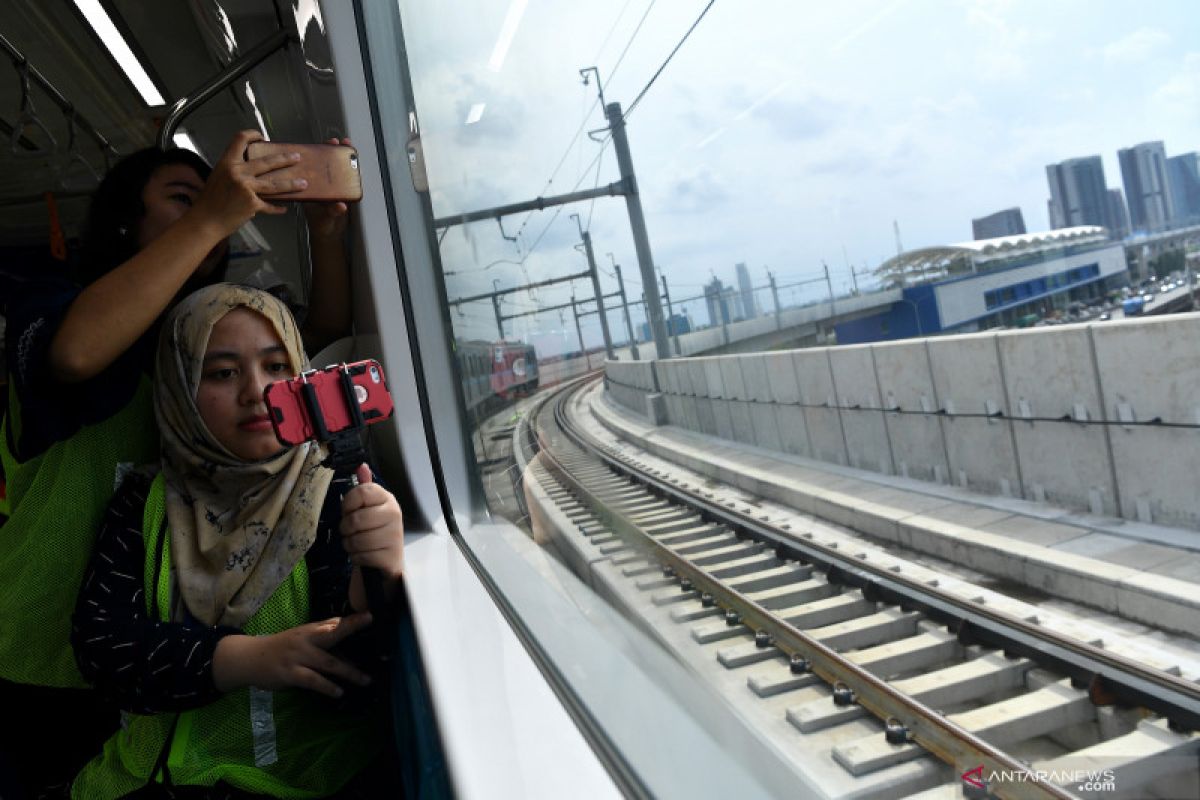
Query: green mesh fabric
<point>319,747</point>
<point>57,502</point>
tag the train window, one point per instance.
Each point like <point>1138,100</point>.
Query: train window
<point>730,292</point>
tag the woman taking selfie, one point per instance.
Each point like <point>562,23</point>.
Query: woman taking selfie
<point>79,414</point>
<point>220,585</point>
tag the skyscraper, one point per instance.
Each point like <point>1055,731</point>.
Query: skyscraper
<point>749,309</point>
<point>1147,190</point>
<point>1008,222</point>
<point>730,304</point>
<point>716,297</point>
<point>1078,193</point>
<point>1183,173</point>
<point>1118,214</point>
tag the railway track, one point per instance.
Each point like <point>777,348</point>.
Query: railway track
<point>889,685</point>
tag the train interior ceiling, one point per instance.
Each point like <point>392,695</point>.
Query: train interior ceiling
<point>181,43</point>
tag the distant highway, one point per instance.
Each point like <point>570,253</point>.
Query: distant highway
<point>1161,304</point>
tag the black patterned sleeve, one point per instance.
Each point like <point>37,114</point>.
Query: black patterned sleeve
<point>147,666</point>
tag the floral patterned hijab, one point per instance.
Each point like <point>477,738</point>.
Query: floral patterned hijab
<point>238,528</point>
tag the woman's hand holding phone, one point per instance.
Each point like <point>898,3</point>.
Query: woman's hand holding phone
<point>236,189</point>
<point>327,221</point>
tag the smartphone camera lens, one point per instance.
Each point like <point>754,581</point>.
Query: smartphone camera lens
<point>374,374</point>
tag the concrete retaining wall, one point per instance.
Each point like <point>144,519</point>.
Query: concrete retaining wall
<point>1100,417</point>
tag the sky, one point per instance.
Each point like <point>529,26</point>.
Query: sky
<point>786,135</point>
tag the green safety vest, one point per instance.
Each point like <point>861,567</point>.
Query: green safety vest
<point>290,744</point>
<point>56,502</point>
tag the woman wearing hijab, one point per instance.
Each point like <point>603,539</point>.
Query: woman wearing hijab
<point>78,411</point>
<point>219,586</point>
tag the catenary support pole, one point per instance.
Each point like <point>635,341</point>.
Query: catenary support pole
<point>775,297</point>
<point>591,259</point>
<point>637,223</point>
<point>633,348</point>
<point>674,326</point>
<point>579,333</point>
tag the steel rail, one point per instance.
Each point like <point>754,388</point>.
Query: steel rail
<point>1108,675</point>
<point>1101,670</point>
<point>945,739</point>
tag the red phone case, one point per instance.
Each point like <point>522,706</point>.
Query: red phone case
<point>290,413</point>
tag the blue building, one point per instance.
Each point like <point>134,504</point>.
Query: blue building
<point>677,325</point>
<point>1183,174</point>
<point>984,284</point>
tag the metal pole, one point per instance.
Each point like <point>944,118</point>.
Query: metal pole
<point>499,319</point>
<point>637,224</point>
<point>723,308</point>
<point>595,273</point>
<point>671,314</point>
<point>775,297</point>
<point>536,204</point>
<point>496,309</point>
<point>522,287</point>
<point>579,333</point>
<point>828,283</point>
<point>633,348</point>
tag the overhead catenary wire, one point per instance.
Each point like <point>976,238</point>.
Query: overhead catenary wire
<point>592,205</point>
<point>597,160</point>
<point>608,138</point>
<point>667,60</point>
<point>583,122</point>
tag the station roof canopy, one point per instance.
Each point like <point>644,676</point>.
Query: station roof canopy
<point>932,263</point>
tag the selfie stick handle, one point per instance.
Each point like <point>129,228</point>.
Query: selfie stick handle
<point>373,581</point>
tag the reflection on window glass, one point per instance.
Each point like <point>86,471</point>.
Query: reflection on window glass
<point>830,150</point>
<point>810,175</point>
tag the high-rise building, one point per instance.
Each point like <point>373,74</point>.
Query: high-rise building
<point>1008,222</point>
<point>1078,193</point>
<point>746,289</point>
<point>716,297</point>
<point>733,308</point>
<point>1117,214</point>
<point>1183,174</point>
<point>1147,188</point>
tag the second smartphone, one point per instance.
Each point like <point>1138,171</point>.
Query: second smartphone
<point>330,169</point>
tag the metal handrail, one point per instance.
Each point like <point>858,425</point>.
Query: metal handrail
<point>21,62</point>
<point>233,70</point>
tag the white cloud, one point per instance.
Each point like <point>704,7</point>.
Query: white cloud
<point>1001,64</point>
<point>1179,96</point>
<point>1136,47</point>
<point>1002,44</point>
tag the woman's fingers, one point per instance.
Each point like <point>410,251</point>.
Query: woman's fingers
<point>306,678</point>
<point>264,164</point>
<point>236,151</point>
<point>269,186</point>
<point>271,208</point>
<point>363,496</point>
<point>370,518</point>
<point>335,667</point>
<point>331,631</point>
